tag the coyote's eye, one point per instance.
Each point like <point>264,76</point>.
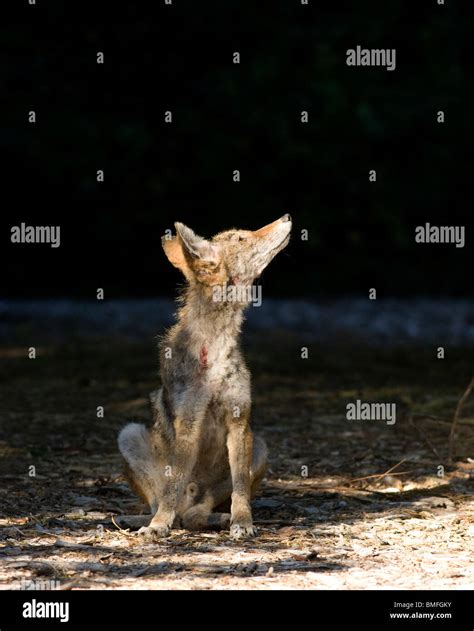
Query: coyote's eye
<point>242,238</point>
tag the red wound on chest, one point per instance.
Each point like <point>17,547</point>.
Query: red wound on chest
<point>203,357</point>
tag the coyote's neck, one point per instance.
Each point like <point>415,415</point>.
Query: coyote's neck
<point>209,321</point>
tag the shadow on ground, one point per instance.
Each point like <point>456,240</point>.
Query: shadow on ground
<point>346,504</point>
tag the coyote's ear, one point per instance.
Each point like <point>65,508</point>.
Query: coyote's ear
<point>196,248</point>
<point>174,251</point>
<point>189,252</point>
<point>192,242</point>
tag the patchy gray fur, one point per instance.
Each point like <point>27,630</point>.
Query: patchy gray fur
<point>200,452</point>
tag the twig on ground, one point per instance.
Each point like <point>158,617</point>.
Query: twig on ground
<point>423,436</point>
<point>459,407</point>
<point>380,475</point>
<point>124,532</point>
<point>16,528</point>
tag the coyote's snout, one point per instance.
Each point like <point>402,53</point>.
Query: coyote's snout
<point>200,452</point>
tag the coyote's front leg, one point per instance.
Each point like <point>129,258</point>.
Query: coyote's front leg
<point>240,446</point>
<point>182,459</point>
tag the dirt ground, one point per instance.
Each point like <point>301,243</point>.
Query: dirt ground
<point>327,515</point>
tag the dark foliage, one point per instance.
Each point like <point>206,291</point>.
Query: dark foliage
<point>228,117</point>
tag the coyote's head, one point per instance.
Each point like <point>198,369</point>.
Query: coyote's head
<point>235,257</point>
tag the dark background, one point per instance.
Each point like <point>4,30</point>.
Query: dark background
<point>247,117</point>
<point>228,117</point>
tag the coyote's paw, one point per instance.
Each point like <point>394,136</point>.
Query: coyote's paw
<point>153,533</point>
<point>238,531</point>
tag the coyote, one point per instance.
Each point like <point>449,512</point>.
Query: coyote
<point>200,454</point>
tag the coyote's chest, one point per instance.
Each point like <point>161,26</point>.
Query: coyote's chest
<point>215,360</point>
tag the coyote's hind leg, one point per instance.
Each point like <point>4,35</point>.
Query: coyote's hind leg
<point>141,471</point>
<point>201,517</point>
